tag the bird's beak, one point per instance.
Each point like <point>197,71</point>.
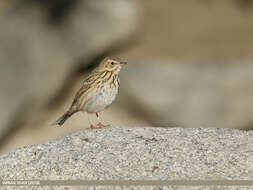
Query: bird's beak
<point>123,62</point>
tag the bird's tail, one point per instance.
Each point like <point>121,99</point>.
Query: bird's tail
<point>63,118</point>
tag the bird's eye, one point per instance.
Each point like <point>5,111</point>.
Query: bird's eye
<point>112,63</point>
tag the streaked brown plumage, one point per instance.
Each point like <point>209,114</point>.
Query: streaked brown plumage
<point>98,91</point>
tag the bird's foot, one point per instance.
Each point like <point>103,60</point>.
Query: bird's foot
<point>92,127</point>
<point>100,125</point>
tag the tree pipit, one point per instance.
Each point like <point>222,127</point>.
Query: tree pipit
<point>98,91</point>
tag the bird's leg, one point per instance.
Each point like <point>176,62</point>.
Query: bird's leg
<point>100,124</point>
<point>91,125</point>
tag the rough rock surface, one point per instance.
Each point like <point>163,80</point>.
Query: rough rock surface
<point>136,153</point>
<point>189,94</point>
<point>37,55</point>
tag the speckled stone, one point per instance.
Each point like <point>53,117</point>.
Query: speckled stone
<point>136,153</point>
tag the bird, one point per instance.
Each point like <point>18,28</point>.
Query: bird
<point>98,91</point>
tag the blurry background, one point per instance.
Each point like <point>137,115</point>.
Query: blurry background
<point>190,63</point>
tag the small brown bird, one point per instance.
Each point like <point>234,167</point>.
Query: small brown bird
<point>98,91</point>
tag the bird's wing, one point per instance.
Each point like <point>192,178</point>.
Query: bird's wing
<point>83,94</point>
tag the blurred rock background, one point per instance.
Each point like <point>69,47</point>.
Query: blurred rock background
<point>190,63</point>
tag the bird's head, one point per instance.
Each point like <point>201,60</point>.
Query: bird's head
<point>111,64</point>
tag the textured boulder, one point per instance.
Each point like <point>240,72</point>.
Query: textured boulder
<point>38,55</point>
<point>136,153</point>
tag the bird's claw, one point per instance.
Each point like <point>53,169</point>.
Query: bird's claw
<point>100,125</point>
<point>92,127</point>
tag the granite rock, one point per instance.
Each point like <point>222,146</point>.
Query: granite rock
<point>136,153</point>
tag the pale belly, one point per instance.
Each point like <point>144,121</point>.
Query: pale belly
<point>101,100</point>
